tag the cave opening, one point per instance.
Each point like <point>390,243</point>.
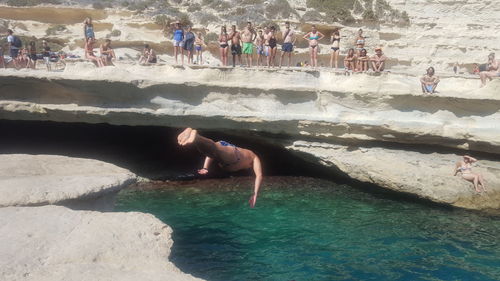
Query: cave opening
<point>148,151</point>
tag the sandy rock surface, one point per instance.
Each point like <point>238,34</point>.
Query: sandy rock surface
<point>56,243</point>
<point>48,179</point>
<point>426,175</point>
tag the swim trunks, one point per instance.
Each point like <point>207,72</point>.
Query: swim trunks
<point>236,49</point>
<point>287,47</point>
<point>260,50</point>
<point>247,48</point>
<point>177,43</point>
<point>429,88</point>
<point>197,48</point>
<point>14,53</point>
<point>225,143</point>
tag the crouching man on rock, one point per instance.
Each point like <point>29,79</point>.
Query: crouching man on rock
<point>228,157</point>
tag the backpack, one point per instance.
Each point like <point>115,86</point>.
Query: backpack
<point>17,42</point>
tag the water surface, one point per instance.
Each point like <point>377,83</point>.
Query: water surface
<point>307,229</point>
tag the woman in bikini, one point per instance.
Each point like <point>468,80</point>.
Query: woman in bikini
<point>89,53</point>
<point>335,40</point>
<point>32,55</point>
<point>313,37</point>
<point>362,61</point>
<point>350,60</point>
<point>465,168</point>
<point>223,45</point>
<point>227,156</point>
<point>360,42</point>
<point>272,46</point>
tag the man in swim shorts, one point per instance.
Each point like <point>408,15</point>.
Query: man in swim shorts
<point>288,42</point>
<point>229,157</point>
<point>429,81</point>
<point>247,37</point>
<point>235,37</point>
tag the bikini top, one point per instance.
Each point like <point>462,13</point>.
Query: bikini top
<point>360,41</point>
<point>336,39</point>
<point>311,37</point>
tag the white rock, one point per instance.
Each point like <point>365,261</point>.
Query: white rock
<point>49,179</point>
<point>55,243</point>
<point>426,175</point>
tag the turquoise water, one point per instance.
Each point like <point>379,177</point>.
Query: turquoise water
<point>305,229</point>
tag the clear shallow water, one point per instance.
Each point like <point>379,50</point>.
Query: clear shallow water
<point>304,229</point>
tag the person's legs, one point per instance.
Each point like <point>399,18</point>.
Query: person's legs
<point>176,53</point>
<point>311,55</point>
<point>331,58</point>
<point>481,181</point>
<point>289,59</point>
<point>206,146</point>
<point>473,179</point>
<point>336,58</point>
<point>424,89</point>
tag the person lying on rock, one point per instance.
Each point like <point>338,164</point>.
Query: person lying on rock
<point>228,157</point>
<point>429,81</point>
<point>465,168</point>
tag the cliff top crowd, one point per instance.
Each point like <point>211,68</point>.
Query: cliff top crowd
<point>259,45</point>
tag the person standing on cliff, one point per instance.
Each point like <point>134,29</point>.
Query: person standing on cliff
<point>235,37</point>
<point>429,81</point>
<point>288,43</point>
<point>88,29</point>
<point>247,37</point>
<point>228,156</point>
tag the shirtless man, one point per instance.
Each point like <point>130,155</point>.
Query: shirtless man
<point>235,37</point>
<point>259,44</point>
<point>228,157</point>
<point>492,70</point>
<point>107,53</point>
<point>288,43</point>
<point>378,60</point>
<point>429,82</point>
<point>248,36</point>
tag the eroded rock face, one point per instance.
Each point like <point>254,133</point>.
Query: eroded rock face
<point>48,179</point>
<point>56,243</point>
<point>426,175</point>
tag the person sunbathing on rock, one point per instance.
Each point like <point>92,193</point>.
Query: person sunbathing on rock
<point>228,156</point>
<point>465,168</point>
<point>429,81</point>
<point>492,70</point>
<point>89,53</point>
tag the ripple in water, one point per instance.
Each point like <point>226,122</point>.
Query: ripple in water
<point>307,229</point>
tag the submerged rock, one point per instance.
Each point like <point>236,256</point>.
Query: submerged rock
<point>56,243</point>
<point>427,175</point>
<point>27,180</point>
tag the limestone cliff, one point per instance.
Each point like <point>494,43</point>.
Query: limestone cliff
<point>386,112</point>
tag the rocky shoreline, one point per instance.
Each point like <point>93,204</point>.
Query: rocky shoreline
<point>44,241</point>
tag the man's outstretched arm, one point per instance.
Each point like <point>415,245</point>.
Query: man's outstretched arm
<point>257,168</point>
<point>206,165</point>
